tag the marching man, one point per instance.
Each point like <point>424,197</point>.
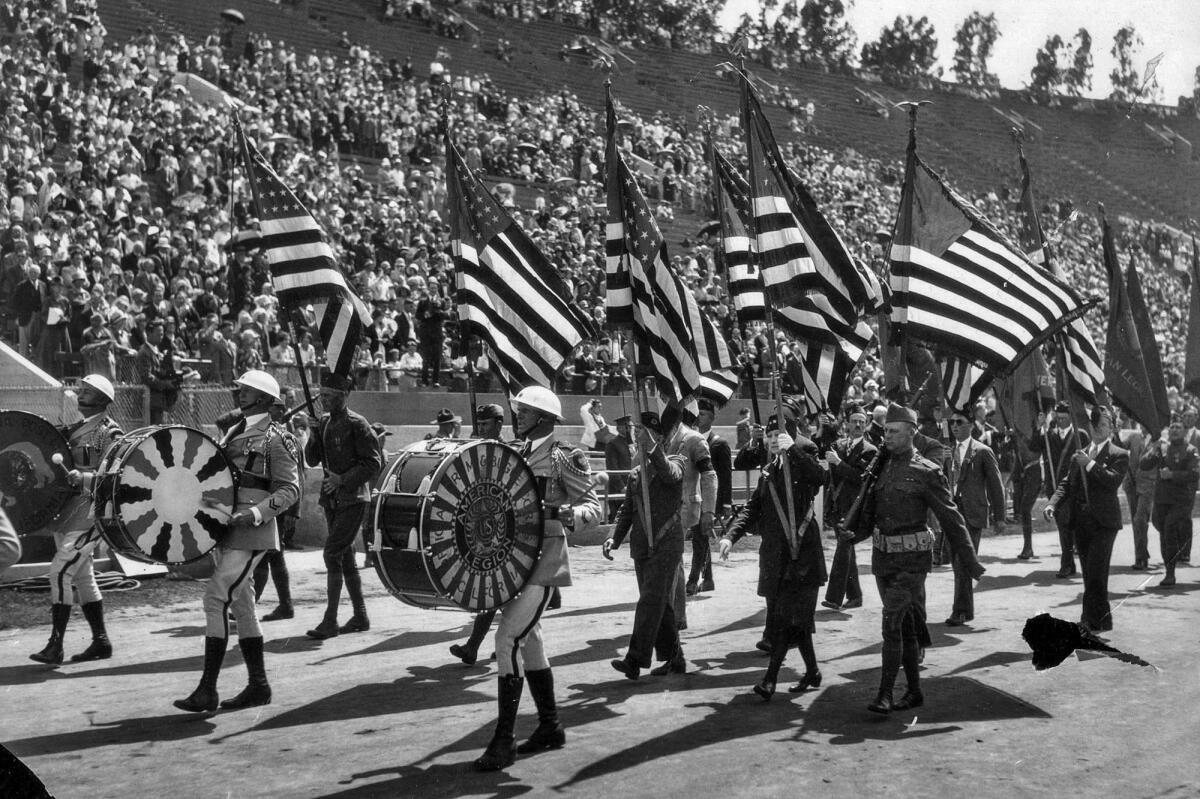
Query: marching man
<point>564,476</point>
<point>267,465</point>
<point>71,572</point>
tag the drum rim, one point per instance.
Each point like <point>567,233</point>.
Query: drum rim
<point>421,448</point>
<point>109,468</point>
<point>68,463</point>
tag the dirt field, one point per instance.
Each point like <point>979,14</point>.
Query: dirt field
<point>389,713</point>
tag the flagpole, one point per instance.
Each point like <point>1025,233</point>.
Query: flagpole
<point>752,218</point>
<point>246,160</point>
<point>633,363</point>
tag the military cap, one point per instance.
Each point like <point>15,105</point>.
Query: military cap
<point>1062,407</point>
<point>898,413</point>
<point>490,411</point>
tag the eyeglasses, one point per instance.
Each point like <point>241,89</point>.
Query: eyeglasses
<point>957,422</point>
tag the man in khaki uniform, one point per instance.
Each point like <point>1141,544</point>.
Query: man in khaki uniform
<point>565,479</point>
<point>268,484</point>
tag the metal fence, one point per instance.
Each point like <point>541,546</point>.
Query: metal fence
<point>199,406</point>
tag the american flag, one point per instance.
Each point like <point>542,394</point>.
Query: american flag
<point>959,286</point>
<point>962,383</point>
<point>1080,358</point>
<point>815,289</point>
<point>731,195</point>
<point>508,292</point>
<point>303,268</point>
<point>645,295</point>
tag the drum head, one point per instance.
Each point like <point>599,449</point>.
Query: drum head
<point>33,489</point>
<point>482,525</point>
<point>174,494</point>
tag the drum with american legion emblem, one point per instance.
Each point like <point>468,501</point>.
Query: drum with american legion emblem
<point>456,523</point>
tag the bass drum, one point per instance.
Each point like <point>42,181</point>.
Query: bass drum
<point>164,494</point>
<point>456,524</point>
<point>33,488</point>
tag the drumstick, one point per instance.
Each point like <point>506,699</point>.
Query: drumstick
<point>217,511</point>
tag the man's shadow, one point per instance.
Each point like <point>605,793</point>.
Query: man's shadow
<point>175,726</point>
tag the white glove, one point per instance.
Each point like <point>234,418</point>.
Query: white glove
<point>724,548</point>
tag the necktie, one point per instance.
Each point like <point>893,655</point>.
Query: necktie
<point>957,463</point>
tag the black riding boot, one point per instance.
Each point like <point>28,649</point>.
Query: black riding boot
<point>469,652</point>
<point>205,698</point>
<point>501,752</point>
<point>99,648</point>
<point>358,623</point>
<point>257,690</point>
<point>549,733</point>
<point>887,678</point>
<point>60,614</point>
<point>912,675</point>
<point>328,628</point>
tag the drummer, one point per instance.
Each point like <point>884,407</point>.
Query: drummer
<point>71,574</point>
<point>564,477</point>
<point>267,467</point>
<point>489,424</point>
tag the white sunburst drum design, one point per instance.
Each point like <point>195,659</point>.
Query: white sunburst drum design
<point>456,524</point>
<point>164,494</point>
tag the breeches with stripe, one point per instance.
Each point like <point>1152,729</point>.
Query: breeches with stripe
<point>71,572</point>
<point>519,634</point>
<point>232,588</point>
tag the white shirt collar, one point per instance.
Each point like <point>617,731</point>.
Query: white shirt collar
<point>537,442</point>
<point>251,421</point>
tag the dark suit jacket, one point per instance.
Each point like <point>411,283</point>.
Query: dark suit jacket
<point>1099,506</point>
<point>977,487</point>
<point>1059,454</point>
<point>848,475</point>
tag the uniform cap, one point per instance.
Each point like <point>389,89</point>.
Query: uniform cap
<point>541,399</point>
<point>446,416</point>
<point>336,381</point>
<point>490,411</point>
<point>260,381</point>
<point>101,384</point>
<point>898,413</point>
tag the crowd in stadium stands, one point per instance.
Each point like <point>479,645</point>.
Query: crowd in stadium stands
<point>128,207</point>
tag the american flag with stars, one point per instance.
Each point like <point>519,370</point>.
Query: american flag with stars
<point>816,290</point>
<point>686,351</point>
<point>303,267</point>
<point>508,292</point>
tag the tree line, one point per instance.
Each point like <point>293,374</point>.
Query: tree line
<point>816,33</point>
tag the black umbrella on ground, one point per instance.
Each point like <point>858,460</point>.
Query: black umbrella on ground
<point>1053,640</point>
<point>234,16</point>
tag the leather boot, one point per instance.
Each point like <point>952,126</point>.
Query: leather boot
<point>676,664</point>
<point>257,690</point>
<point>204,698</point>
<point>549,733</point>
<point>328,628</point>
<point>358,623</point>
<point>501,752</point>
<point>469,652</point>
<point>99,648</point>
<point>912,675</point>
<point>60,614</point>
<point>887,678</point>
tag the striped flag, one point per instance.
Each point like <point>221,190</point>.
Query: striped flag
<point>1080,358</point>
<point>809,275</point>
<point>731,195</point>
<point>959,286</point>
<point>303,268</point>
<point>508,292</point>
<point>962,383</point>
<point>645,295</point>
<point>815,289</point>
<point>1191,366</point>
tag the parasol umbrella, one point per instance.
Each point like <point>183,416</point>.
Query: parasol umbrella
<point>234,16</point>
<point>80,21</point>
<point>191,201</point>
<point>883,235</point>
<point>564,182</point>
<point>498,141</point>
<point>1054,640</point>
<point>710,228</point>
<point>507,189</point>
<point>527,146</point>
